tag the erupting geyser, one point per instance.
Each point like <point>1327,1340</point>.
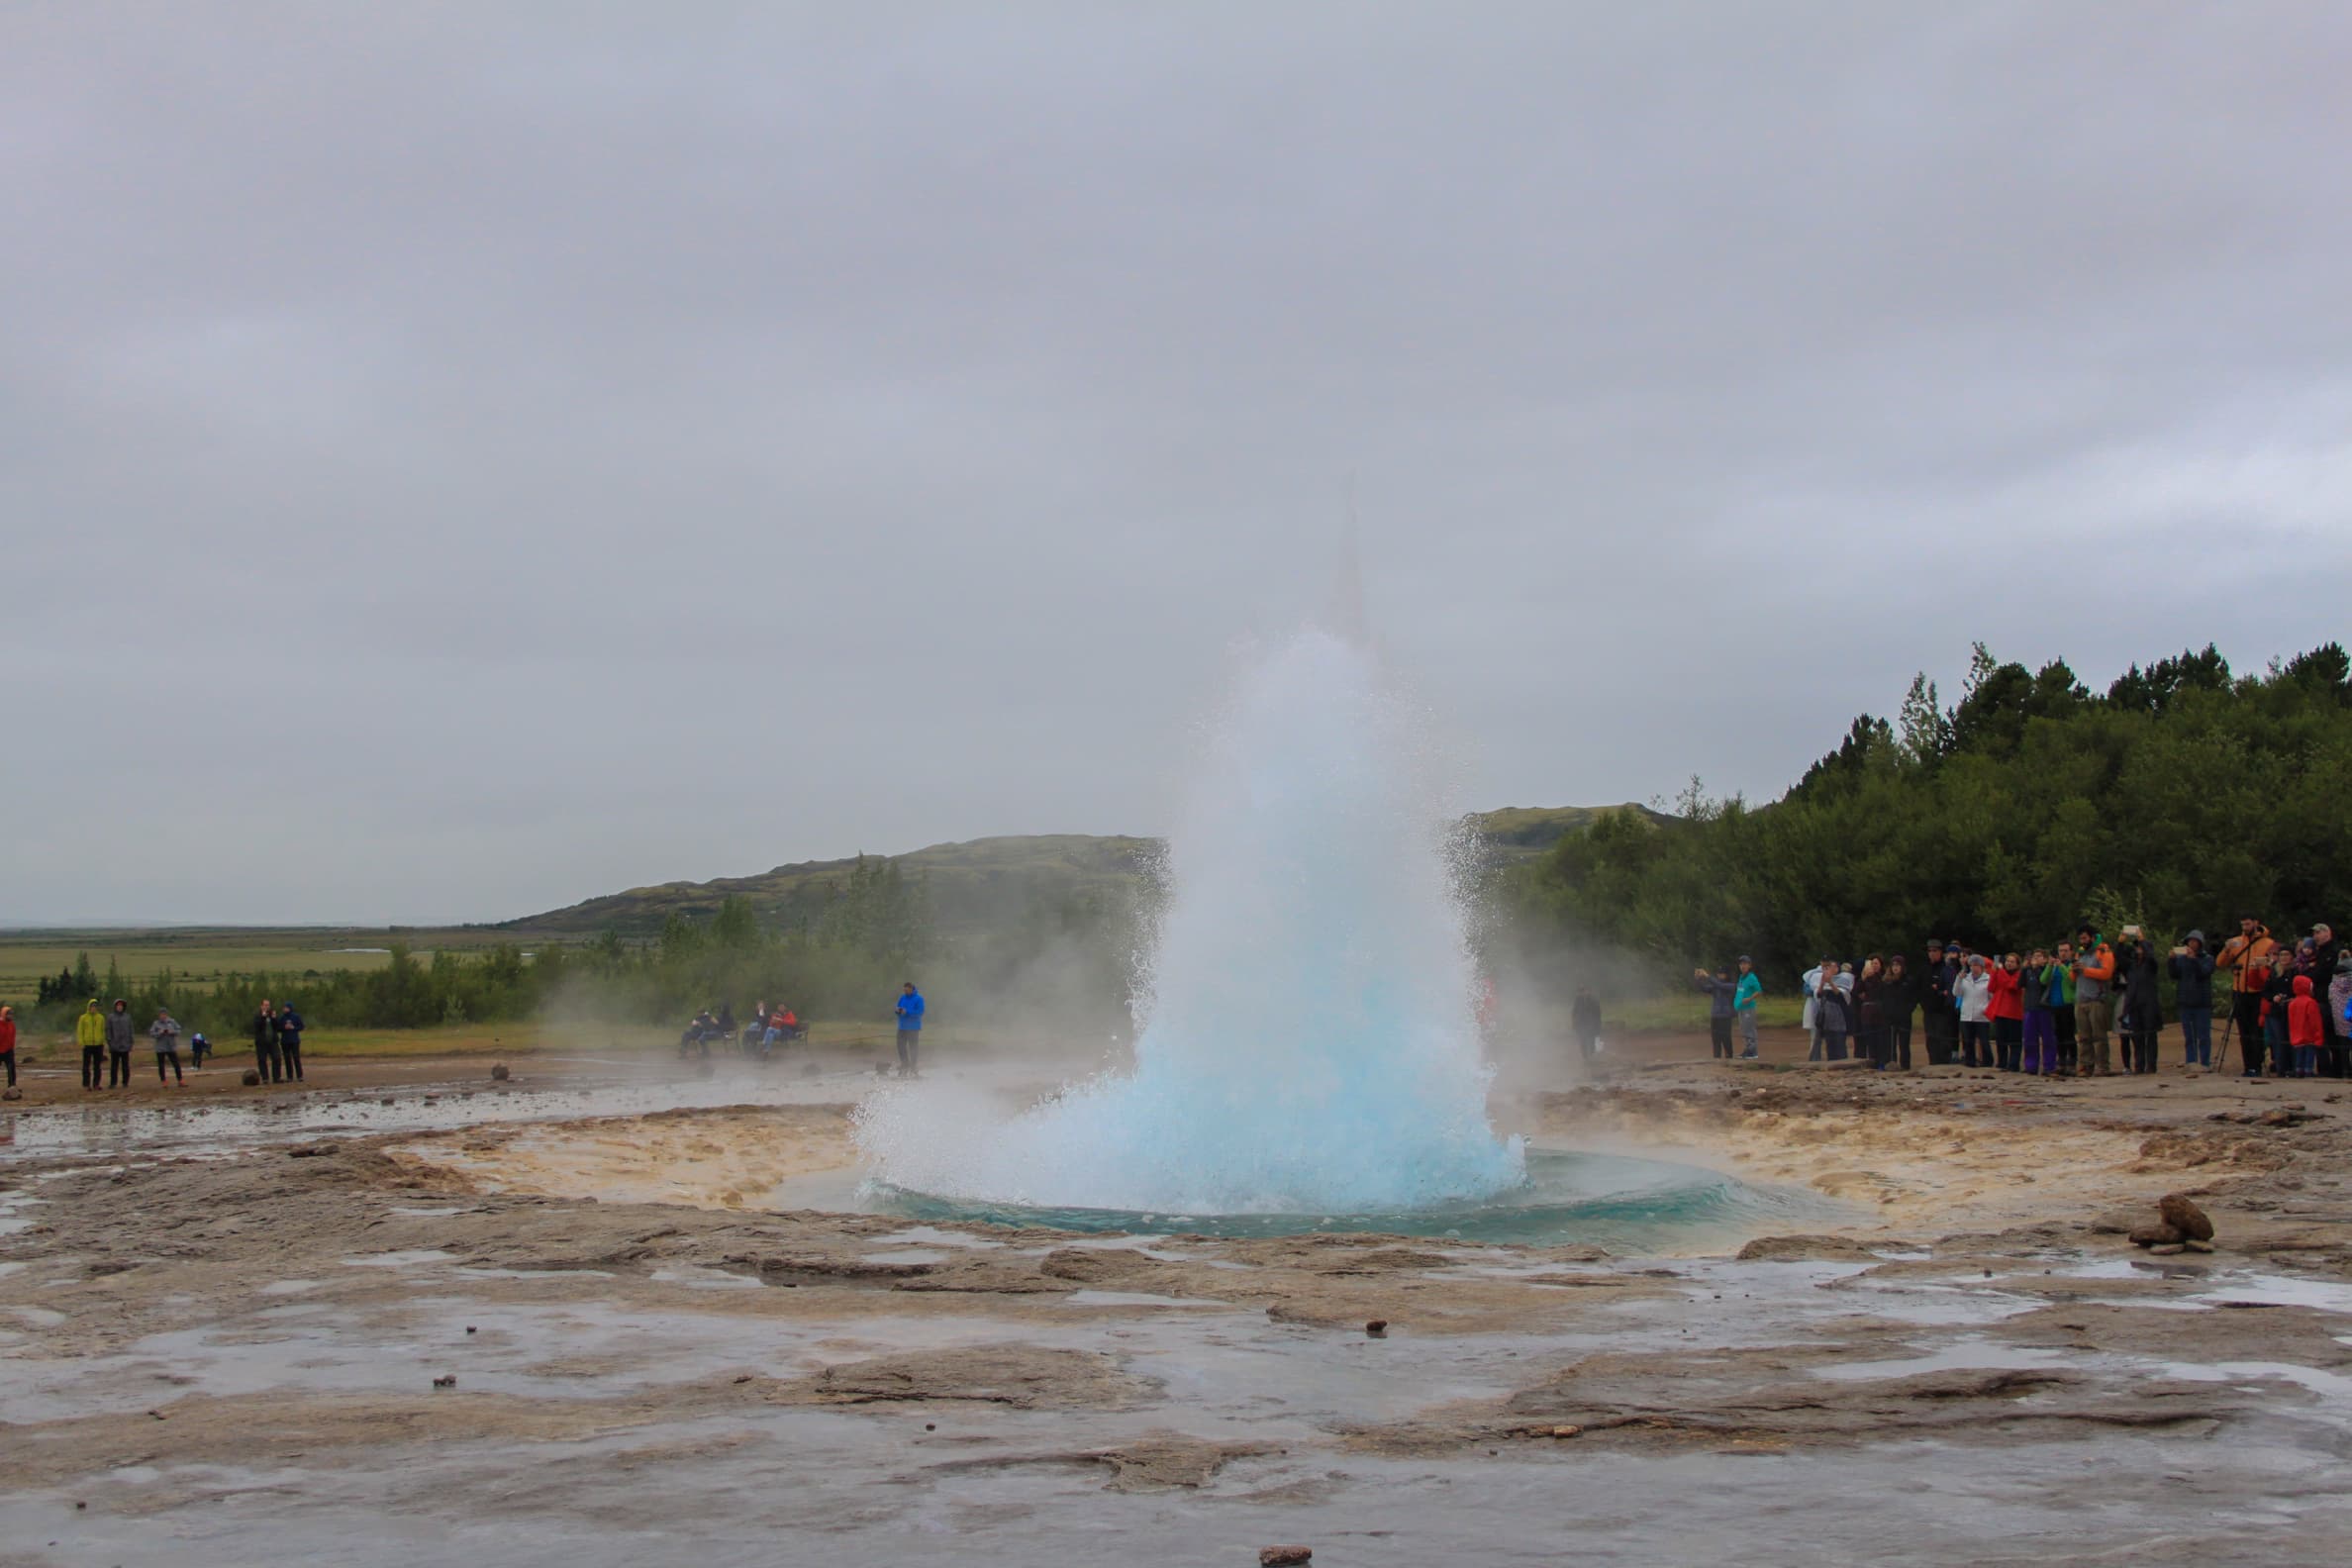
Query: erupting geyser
<point>1309,1044</point>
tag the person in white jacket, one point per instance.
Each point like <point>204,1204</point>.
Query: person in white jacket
<point>1812,1019</point>
<point>1974,991</point>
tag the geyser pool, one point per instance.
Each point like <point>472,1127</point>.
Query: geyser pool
<point>1309,1044</point>
<point>1626,1204</point>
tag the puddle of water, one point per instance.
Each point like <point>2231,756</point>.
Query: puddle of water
<point>1103,1298</point>
<point>932,1235</point>
<point>1966,1356</point>
<point>400,1259</point>
<point>2278,1290</point>
<point>2329,1385</point>
<point>689,1275</point>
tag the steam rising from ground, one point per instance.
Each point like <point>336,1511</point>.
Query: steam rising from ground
<point>1310,1042</point>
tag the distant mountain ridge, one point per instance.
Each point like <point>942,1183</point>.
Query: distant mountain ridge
<point>969,881</point>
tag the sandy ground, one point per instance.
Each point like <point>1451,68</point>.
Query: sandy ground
<point>221,1329</point>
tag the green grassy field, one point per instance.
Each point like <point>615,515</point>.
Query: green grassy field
<point>202,955</point>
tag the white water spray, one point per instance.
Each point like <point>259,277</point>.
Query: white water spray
<point>1310,1046</point>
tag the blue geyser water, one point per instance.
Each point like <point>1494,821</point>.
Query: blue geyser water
<point>1309,1044</point>
<point>1626,1204</point>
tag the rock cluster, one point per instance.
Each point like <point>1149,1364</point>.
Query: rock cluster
<point>2180,1226</point>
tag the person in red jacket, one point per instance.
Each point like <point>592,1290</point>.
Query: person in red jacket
<point>8,1042</point>
<point>2306,1028</point>
<point>2007,1008</point>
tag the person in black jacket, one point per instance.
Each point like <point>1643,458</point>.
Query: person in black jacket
<point>1720,987</point>
<point>2333,1053</point>
<point>1584,1020</point>
<point>1939,1009</point>
<point>1900,999</point>
<point>1834,1016</point>
<point>2192,971</point>
<point>2143,1013</point>
<point>265,1043</point>
<point>1872,1041</point>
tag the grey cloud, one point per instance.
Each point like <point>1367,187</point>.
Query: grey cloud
<point>466,459</point>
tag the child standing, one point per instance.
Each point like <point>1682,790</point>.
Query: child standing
<point>2305,1028</point>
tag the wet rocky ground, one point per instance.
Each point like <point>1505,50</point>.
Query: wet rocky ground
<point>373,1339</point>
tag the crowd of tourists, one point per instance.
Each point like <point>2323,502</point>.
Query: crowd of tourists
<point>109,1035</point>
<point>2084,1007</point>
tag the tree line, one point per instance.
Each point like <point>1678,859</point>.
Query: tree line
<point>1069,960</point>
<point>2182,797</point>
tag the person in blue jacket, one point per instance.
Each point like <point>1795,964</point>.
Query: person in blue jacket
<point>909,1029</point>
<point>290,1027</point>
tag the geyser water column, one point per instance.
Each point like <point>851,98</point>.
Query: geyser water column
<point>1309,1042</point>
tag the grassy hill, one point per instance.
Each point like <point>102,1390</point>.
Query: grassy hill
<point>972,882</point>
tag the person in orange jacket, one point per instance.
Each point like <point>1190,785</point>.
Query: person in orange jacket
<point>2305,1028</point>
<point>2095,1004</point>
<point>2245,959</point>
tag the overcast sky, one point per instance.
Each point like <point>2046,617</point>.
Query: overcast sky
<point>459,459</point>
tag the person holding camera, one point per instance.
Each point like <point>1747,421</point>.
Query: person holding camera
<point>2093,973</point>
<point>2192,971</point>
<point>1720,989</point>
<point>2058,991</point>
<point>2143,1014</point>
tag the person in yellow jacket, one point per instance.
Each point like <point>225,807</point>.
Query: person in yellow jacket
<point>90,1030</point>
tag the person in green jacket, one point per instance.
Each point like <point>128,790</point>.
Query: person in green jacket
<point>2058,995</point>
<point>1744,1005</point>
<point>90,1030</point>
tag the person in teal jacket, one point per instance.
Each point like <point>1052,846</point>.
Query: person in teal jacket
<point>1744,1005</point>
<point>2058,995</point>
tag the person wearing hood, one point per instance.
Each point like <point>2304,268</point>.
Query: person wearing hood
<point>290,1030</point>
<point>90,1030</point>
<point>1974,991</point>
<point>8,1042</point>
<point>1744,998</point>
<point>165,1031</point>
<point>2192,971</point>
<point>2304,1031</point>
<point>118,1045</point>
<point>1834,1017</point>
<point>2142,1012</point>
<point>1939,1004</point>
<point>2006,1008</point>
<point>2095,1006</point>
